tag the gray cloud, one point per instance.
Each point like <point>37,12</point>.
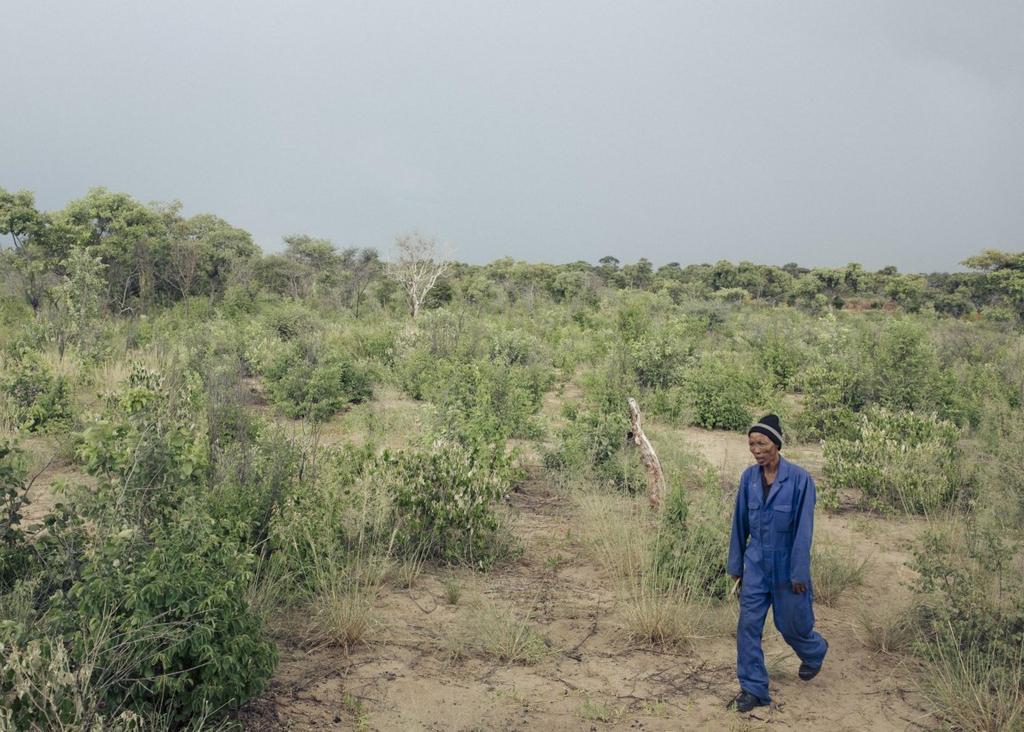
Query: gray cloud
<point>817,132</point>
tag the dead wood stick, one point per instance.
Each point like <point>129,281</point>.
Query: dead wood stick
<point>655,477</point>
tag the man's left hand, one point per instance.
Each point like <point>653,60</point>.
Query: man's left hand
<point>799,587</point>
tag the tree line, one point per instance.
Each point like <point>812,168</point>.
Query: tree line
<point>111,252</point>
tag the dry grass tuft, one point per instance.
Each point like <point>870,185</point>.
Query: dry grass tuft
<point>497,632</point>
<point>834,570</point>
<point>884,630</point>
<point>976,692</point>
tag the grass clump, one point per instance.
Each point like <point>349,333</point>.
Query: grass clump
<point>834,570</point>
<point>884,630</point>
<point>496,632</point>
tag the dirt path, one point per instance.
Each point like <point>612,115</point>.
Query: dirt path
<point>590,677</point>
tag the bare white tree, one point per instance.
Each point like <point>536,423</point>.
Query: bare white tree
<point>419,265</point>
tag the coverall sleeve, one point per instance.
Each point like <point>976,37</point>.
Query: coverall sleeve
<point>740,532</point>
<point>800,557</point>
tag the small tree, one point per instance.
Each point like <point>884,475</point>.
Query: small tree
<point>418,267</point>
<point>77,300</point>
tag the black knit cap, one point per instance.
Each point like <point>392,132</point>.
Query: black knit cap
<point>770,427</point>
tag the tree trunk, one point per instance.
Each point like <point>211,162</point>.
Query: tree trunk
<point>655,477</point>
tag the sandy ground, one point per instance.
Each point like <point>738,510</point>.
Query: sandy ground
<point>591,677</point>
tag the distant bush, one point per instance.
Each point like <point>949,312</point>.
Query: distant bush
<point>721,394</point>
<point>898,460</point>
<point>593,443</point>
<point>779,358</point>
<point>443,501</point>
<point>486,402</point>
<point>290,320</point>
<point>41,401</point>
<point>314,385</point>
<point>658,356</point>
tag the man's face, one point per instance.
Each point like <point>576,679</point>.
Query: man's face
<point>763,449</point>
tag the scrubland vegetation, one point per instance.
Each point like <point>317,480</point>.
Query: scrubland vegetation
<point>231,482</point>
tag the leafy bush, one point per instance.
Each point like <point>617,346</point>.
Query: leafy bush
<point>657,357</point>
<point>148,595</point>
<point>690,553</point>
<point>443,501</point>
<point>14,552</point>
<point>290,320</point>
<point>832,382</point>
<point>148,449</point>
<point>594,442</point>
<point>41,400</point>
<point>971,623</point>
<point>314,385</point>
<point>779,357</point>
<point>721,394</point>
<point>899,460</point>
<point>486,402</point>
<point>177,598</point>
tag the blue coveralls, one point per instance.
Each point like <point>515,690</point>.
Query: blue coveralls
<point>778,552</point>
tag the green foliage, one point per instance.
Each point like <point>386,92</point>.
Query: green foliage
<point>658,356</point>
<point>486,402</point>
<point>780,357</point>
<point>180,593</point>
<point>899,460</point>
<point>77,301</point>
<point>721,394</point>
<point>148,449</point>
<point>595,440</point>
<point>690,552</point>
<point>443,501</point>
<point>314,384</point>
<point>14,552</point>
<point>974,597</point>
<point>41,400</point>
<point>832,383</point>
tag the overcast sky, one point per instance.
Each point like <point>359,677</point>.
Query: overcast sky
<point>888,132</point>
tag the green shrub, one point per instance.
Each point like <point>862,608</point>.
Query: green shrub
<point>41,400</point>
<point>971,625</point>
<point>898,460</point>
<point>290,321</point>
<point>690,553</point>
<point>14,551</point>
<point>148,449</point>
<point>146,590</point>
<point>443,501</point>
<point>176,598</point>
<point>307,384</point>
<point>594,442</point>
<point>486,402</point>
<point>721,394</point>
<point>779,357</point>
<point>657,357</point>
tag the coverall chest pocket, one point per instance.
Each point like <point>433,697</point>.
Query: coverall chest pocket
<point>754,515</point>
<point>782,518</point>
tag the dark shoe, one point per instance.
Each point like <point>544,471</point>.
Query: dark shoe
<point>806,673</point>
<point>747,701</point>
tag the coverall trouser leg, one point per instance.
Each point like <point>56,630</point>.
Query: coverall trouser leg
<point>794,619</point>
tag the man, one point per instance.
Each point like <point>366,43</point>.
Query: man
<point>770,558</point>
